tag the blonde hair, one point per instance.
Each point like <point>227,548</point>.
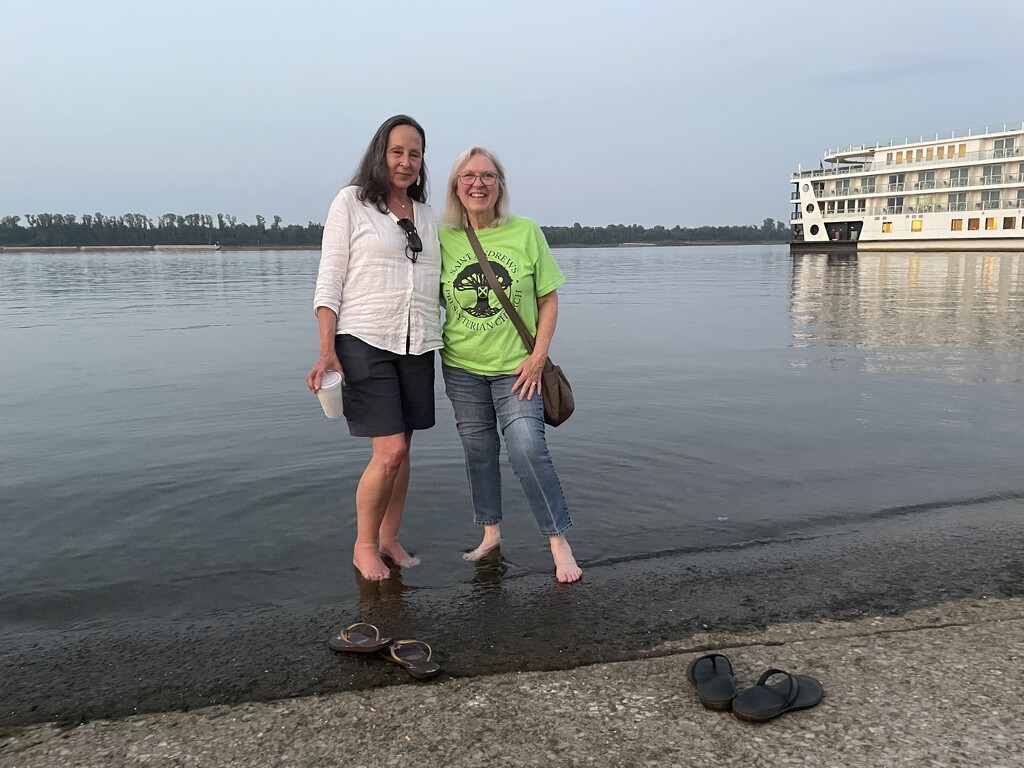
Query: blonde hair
<point>454,211</point>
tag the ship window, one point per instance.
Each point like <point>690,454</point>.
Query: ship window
<point>992,223</point>
<point>899,156</point>
<point>958,177</point>
<point>961,150</point>
<point>931,154</point>
<point>992,174</point>
<point>1010,222</point>
<point>918,155</point>
<point>940,152</point>
<point>973,223</point>
<point>990,199</point>
<point>810,207</point>
<point>807,187</point>
<point>950,150</point>
<point>886,226</point>
<point>888,158</point>
<point>915,225</point>
<point>956,225</point>
<point>814,229</point>
<point>1003,148</point>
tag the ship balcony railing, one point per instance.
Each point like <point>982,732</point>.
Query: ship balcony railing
<point>891,210</point>
<point>796,215</point>
<point>990,179</point>
<point>899,187</point>
<point>958,135</point>
<point>925,184</point>
<point>954,182</point>
<point>1007,153</point>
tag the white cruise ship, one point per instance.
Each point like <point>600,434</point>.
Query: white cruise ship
<point>960,191</point>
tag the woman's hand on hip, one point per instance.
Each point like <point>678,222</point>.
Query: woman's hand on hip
<point>327,362</point>
<point>529,371</point>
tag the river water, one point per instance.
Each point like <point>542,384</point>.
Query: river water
<point>161,457</point>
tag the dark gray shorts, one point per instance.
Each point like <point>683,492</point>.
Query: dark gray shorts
<point>384,393</point>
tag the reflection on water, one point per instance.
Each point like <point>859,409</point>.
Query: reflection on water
<point>902,309</point>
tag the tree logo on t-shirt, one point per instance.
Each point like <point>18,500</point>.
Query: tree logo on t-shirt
<point>472,279</point>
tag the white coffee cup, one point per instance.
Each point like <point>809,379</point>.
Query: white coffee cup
<point>330,395</point>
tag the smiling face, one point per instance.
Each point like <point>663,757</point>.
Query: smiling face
<point>477,198</point>
<point>404,157</point>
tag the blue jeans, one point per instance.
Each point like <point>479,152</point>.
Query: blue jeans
<point>483,404</point>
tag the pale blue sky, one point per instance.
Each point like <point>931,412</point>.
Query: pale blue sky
<point>646,112</point>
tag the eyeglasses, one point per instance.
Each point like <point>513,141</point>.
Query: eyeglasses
<point>487,178</point>
<point>415,244</point>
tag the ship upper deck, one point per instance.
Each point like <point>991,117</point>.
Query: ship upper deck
<point>876,156</point>
<point>867,150</point>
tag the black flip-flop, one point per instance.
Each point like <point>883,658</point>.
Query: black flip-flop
<point>766,701</point>
<point>415,656</point>
<point>349,642</point>
<point>712,674</point>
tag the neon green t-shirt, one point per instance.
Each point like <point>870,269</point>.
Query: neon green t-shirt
<point>478,335</point>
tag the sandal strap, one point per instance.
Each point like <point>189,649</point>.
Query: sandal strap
<point>794,685</point>
<point>397,643</point>
<point>346,630</point>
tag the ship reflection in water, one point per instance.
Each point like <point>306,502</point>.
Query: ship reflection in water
<point>894,311</point>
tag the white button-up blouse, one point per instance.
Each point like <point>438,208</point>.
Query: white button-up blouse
<point>380,295</point>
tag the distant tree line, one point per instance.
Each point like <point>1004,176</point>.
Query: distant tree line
<point>56,229</point>
<point>614,234</point>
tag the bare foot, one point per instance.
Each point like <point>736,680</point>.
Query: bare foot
<point>398,555</point>
<point>492,540</point>
<point>566,570</point>
<point>370,566</point>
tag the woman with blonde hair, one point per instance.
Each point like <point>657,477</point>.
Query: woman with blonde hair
<point>493,382</point>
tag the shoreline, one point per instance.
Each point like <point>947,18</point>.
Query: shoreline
<point>283,247</point>
<point>621,611</point>
<point>101,248</point>
<point>934,686</point>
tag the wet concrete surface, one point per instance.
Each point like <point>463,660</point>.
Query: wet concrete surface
<point>631,609</point>
<point>933,687</point>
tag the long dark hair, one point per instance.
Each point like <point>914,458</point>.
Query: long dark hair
<point>372,175</point>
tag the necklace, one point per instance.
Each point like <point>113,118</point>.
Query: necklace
<point>403,206</point>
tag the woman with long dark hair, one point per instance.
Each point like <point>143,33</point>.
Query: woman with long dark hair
<point>379,323</point>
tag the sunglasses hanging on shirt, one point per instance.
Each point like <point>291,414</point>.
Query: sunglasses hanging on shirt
<point>415,245</point>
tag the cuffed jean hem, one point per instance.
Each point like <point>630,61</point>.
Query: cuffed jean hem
<point>559,532</point>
